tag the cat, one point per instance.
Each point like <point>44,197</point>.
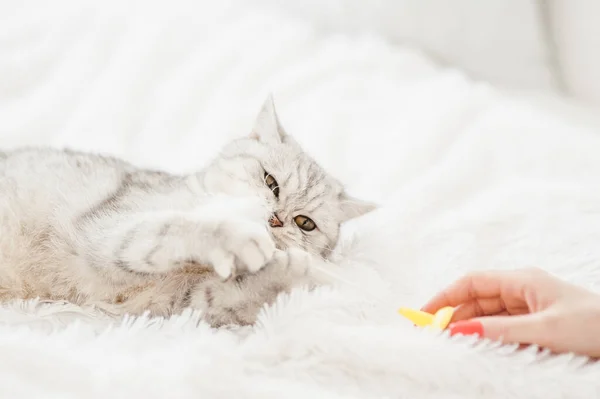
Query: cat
<point>95,230</point>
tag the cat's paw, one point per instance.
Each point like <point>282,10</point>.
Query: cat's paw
<point>241,246</point>
<point>235,236</point>
<point>293,261</point>
<point>300,264</point>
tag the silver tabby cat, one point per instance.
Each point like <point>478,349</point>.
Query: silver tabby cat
<point>95,230</point>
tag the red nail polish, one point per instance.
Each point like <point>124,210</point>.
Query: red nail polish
<point>468,327</point>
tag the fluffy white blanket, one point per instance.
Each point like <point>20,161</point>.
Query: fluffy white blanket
<point>468,178</point>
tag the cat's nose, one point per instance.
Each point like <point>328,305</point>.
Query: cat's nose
<point>274,221</point>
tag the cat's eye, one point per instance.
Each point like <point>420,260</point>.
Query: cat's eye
<point>272,184</point>
<point>305,223</point>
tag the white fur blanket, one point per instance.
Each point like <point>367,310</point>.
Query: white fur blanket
<point>468,178</point>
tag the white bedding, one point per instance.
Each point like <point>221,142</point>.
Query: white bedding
<point>468,178</point>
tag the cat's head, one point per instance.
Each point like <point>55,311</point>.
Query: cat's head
<point>306,203</point>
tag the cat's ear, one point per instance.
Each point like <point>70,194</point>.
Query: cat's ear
<point>267,127</point>
<point>352,207</point>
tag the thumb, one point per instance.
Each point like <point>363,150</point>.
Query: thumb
<point>523,329</point>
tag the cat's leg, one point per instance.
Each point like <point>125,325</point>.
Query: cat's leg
<point>226,234</point>
<point>238,301</point>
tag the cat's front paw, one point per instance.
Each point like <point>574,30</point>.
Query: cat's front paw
<point>301,265</point>
<point>241,246</point>
<point>293,261</point>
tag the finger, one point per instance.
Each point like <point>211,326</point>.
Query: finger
<point>488,284</point>
<point>486,307</point>
<point>522,329</point>
<point>478,308</point>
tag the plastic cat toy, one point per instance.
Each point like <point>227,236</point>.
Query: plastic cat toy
<point>439,320</point>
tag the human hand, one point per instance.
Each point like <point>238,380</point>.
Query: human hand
<point>527,306</point>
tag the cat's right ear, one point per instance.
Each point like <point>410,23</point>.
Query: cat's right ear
<point>352,207</point>
<point>267,127</point>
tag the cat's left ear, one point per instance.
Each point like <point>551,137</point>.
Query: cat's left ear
<point>352,207</point>
<point>267,127</point>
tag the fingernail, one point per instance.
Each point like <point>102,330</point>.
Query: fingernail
<point>468,327</point>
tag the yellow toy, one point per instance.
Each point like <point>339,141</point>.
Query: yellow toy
<point>439,320</point>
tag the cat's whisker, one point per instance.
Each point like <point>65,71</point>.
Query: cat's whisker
<point>327,247</point>
<point>320,249</point>
<point>343,280</point>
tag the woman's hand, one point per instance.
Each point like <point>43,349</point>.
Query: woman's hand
<point>524,306</point>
